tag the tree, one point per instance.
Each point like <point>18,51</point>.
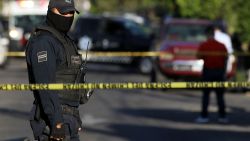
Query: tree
<point>234,12</point>
<point>243,20</point>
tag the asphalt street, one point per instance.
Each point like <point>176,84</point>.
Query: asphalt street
<point>128,115</point>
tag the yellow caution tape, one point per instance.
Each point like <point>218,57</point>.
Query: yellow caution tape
<point>130,85</point>
<point>100,54</point>
<point>132,54</point>
<point>13,54</point>
<point>136,54</point>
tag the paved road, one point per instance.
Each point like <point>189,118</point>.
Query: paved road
<point>128,115</point>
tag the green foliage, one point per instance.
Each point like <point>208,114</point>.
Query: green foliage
<point>243,18</point>
<point>104,6</point>
<point>234,12</point>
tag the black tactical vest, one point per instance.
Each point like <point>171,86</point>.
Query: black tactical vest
<point>66,72</point>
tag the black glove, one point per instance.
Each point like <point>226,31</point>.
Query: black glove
<point>58,132</point>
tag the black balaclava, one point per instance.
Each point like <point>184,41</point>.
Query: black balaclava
<point>59,22</point>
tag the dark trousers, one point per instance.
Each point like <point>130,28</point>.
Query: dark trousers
<point>153,73</point>
<point>213,75</point>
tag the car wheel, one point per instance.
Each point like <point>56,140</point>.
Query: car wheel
<point>145,65</point>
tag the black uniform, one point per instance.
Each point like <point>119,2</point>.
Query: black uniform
<point>52,57</point>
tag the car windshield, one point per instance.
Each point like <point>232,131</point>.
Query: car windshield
<point>28,22</point>
<point>185,32</point>
<point>136,29</point>
<point>87,25</point>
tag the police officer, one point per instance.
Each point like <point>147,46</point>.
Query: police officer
<point>52,57</point>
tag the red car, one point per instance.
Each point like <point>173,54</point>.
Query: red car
<point>180,39</point>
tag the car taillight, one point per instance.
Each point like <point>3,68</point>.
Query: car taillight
<point>23,41</point>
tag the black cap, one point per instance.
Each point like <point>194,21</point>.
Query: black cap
<point>63,6</point>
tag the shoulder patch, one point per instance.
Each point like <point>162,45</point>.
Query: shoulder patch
<point>42,56</point>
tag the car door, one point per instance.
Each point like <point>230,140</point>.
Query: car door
<point>136,38</point>
<point>113,33</point>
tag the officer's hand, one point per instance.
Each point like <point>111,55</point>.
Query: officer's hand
<point>58,132</point>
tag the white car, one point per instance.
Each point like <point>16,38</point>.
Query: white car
<point>4,44</point>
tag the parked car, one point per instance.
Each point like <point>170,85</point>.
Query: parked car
<point>20,32</point>
<point>23,16</point>
<point>4,44</point>
<point>114,34</point>
<point>180,38</point>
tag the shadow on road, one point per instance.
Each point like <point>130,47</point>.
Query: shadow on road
<point>134,132</point>
<point>152,133</point>
<point>237,116</point>
<point>14,113</point>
